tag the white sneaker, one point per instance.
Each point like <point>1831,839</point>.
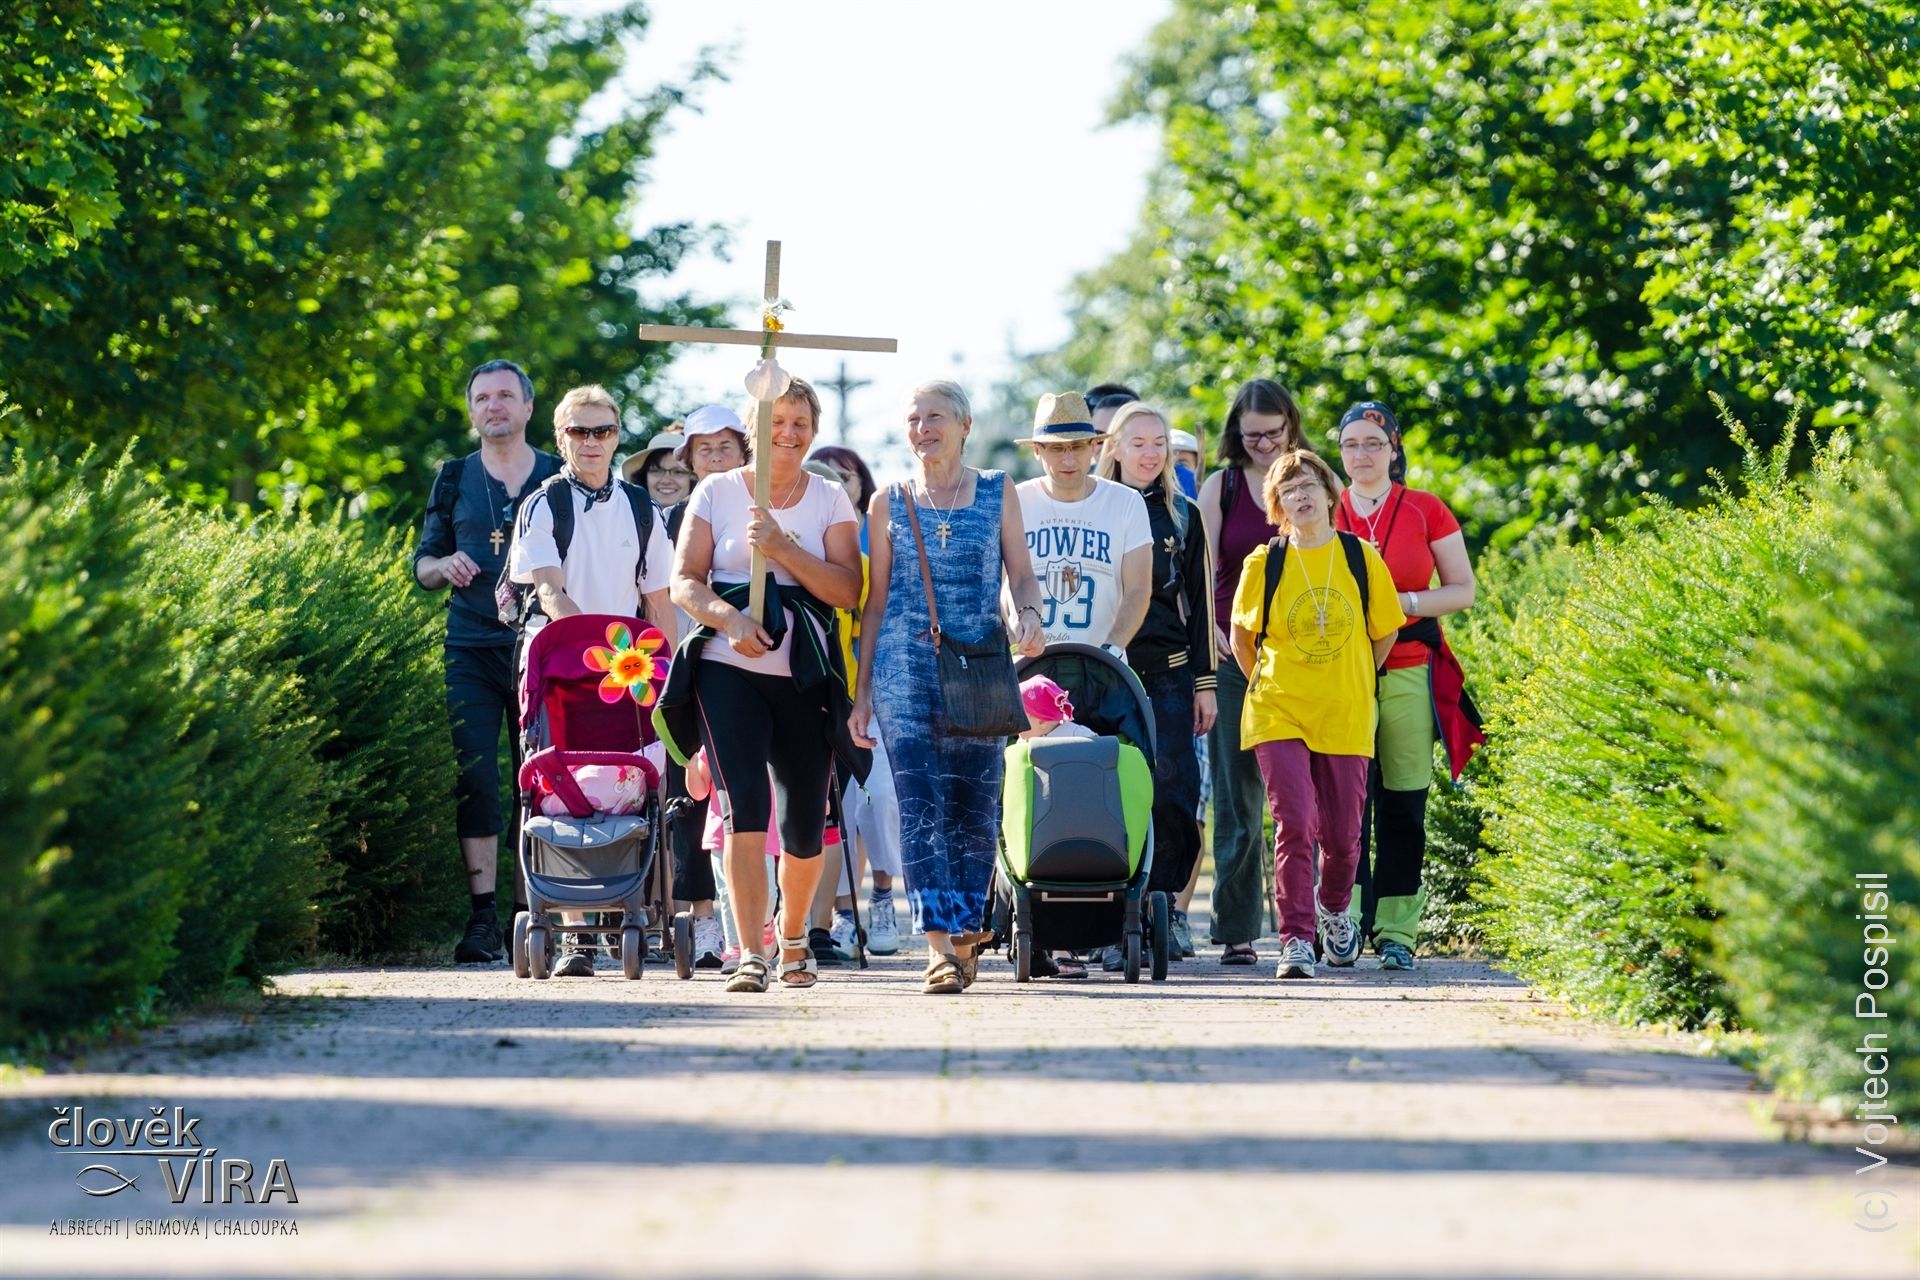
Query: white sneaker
<point>708,942</point>
<point>883,926</point>
<point>843,935</point>
<point>1339,937</point>
<point>1296,959</point>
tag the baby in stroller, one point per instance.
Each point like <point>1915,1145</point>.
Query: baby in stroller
<point>1077,831</point>
<point>1049,711</point>
<point>590,784</point>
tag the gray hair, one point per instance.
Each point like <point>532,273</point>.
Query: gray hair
<point>950,392</point>
<point>502,366</point>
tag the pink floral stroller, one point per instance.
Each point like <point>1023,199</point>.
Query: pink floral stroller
<point>589,794</point>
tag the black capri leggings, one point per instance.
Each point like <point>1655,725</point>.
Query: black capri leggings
<point>754,722</point>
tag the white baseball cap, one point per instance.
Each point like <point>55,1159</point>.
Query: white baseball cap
<point>1183,441</point>
<point>709,418</point>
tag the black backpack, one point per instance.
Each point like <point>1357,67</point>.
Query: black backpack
<point>518,601</point>
<point>1277,563</point>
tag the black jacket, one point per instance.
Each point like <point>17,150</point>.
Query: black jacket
<point>816,662</point>
<point>1178,629</point>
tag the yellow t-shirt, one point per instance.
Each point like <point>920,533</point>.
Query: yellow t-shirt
<point>1312,682</point>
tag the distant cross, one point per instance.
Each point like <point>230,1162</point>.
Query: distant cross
<point>495,538</point>
<point>769,336</point>
<point>844,387</point>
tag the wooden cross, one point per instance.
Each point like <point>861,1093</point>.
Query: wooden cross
<point>768,337</point>
<point>495,539</point>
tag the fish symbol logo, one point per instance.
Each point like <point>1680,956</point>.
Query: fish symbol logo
<point>106,1171</point>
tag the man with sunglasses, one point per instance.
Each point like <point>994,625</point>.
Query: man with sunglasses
<point>463,544</point>
<point>617,559</point>
<point>612,557</point>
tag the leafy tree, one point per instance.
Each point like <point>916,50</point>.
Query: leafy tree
<point>334,214</point>
<point>71,82</point>
<point>1546,232</point>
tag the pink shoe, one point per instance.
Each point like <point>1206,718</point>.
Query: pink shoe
<point>729,959</point>
<point>767,939</point>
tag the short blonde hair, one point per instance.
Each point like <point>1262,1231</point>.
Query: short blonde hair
<point>593,395</point>
<point>1289,467</point>
<point>951,392</point>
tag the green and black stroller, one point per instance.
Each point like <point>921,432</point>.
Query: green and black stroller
<point>1076,838</point>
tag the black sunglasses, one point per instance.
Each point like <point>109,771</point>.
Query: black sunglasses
<point>598,433</point>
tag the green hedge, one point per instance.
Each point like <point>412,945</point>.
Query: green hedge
<point>222,744</point>
<point>1819,754</point>
<point>1597,817</point>
<point>1509,590</point>
<point>97,765</point>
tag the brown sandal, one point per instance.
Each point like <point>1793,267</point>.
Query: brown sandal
<point>944,977</point>
<point>969,967</point>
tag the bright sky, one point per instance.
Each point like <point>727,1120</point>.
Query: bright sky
<point>936,173</point>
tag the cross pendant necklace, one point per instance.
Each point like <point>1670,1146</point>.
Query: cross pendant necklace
<point>495,538</point>
<point>944,530</point>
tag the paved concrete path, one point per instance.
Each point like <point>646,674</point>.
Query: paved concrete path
<point>462,1123</point>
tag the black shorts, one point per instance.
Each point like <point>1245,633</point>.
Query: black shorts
<point>482,695</point>
<point>754,723</point>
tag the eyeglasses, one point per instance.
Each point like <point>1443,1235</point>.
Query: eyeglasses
<point>598,433</point>
<point>678,473</point>
<point>1364,446</point>
<point>1294,492</point>
<point>1262,437</point>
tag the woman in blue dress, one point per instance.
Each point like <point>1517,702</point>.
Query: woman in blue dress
<point>949,786</point>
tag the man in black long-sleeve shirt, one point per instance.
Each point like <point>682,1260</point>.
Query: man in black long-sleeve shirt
<point>463,543</point>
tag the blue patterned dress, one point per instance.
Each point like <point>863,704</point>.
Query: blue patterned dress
<point>949,787</point>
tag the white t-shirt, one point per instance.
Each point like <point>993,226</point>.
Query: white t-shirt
<point>725,502</point>
<point>603,569</point>
<point>1076,549</point>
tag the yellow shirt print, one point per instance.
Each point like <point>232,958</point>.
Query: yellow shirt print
<point>1312,681</point>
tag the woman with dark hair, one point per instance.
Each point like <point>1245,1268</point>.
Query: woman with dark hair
<point>1421,543</point>
<point>854,477</point>
<point>1262,425</point>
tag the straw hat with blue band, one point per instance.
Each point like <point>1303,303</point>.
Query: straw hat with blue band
<point>1063,419</point>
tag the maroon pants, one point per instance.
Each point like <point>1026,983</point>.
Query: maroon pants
<point>1313,797</point>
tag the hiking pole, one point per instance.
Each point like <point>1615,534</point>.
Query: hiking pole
<point>834,794</point>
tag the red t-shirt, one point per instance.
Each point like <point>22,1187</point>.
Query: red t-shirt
<point>1404,529</point>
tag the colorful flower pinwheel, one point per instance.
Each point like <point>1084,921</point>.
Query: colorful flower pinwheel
<point>629,665</point>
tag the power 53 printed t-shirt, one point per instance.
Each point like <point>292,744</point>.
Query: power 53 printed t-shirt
<point>1313,675</point>
<point>1076,549</point>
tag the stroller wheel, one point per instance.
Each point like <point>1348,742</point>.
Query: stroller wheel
<point>633,952</point>
<point>540,951</point>
<point>1130,969</point>
<point>1160,914</point>
<point>521,920</point>
<point>683,945</point>
<point>1023,957</point>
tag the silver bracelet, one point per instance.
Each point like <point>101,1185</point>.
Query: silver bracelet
<point>1413,603</point>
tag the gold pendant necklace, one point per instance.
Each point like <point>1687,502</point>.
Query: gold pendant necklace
<point>944,530</point>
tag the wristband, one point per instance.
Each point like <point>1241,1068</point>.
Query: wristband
<point>1413,603</point>
<point>1034,609</point>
